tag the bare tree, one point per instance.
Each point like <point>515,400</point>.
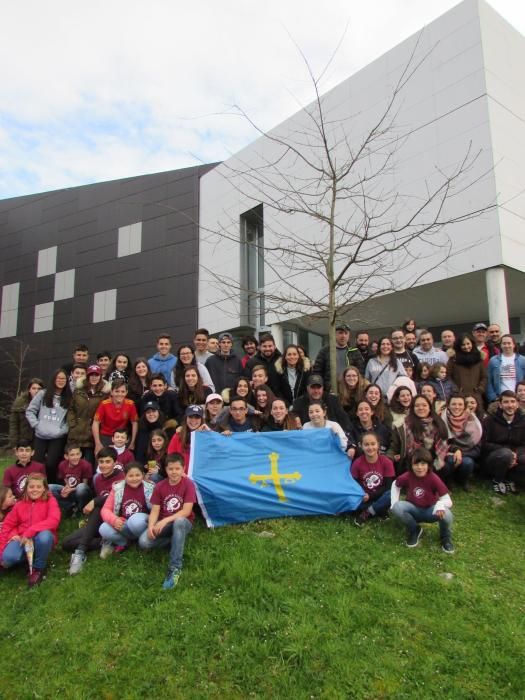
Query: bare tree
<point>14,377</point>
<point>338,230</point>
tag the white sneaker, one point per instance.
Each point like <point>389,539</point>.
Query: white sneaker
<point>78,559</point>
<point>106,550</point>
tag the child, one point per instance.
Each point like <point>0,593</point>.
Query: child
<point>375,473</point>
<point>7,501</point>
<point>443,385</point>
<point>156,455</point>
<point>125,512</point>
<point>119,442</point>
<point>74,473</point>
<point>318,419</point>
<point>171,516</point>
<point>34,520</point>
<point>15,476</point>
<point>427,501</point>
<point>112,414</point>
<point>87,537</point>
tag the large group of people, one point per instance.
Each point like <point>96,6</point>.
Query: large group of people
<point>109,439</point>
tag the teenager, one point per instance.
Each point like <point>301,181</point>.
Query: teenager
<point>19,428</point>
<point>293,374</point>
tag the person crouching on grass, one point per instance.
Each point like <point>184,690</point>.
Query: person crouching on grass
<point>33,521</point>
<point>427,501</point>
<point>171,517</point>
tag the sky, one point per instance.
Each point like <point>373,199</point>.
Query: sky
<point>105,89</point>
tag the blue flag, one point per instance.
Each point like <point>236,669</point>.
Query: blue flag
<point>249,476</point>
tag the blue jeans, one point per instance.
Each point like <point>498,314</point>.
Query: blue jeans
<point>132,530</point>
<point>461,472</point>
<point>79,497</point>
<point>14,552</point>
<point>411,515</point>
<point>174,536</point>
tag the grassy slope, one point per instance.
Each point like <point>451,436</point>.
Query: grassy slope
<point>319,610</point>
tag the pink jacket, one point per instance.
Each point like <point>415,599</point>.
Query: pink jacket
<point>28,518</point>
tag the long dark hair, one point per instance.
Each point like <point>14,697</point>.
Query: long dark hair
<point>114,373</point>
<point>188,396</point>
<point>392,357</point>
<point>271,397</point>
<point>380,409</point>
<point>300,361</point>
<point>418,427</point>
<point>466,359</point>
<point>178,374</point>
<point>135,383</point>
<point>185,432</point>
<point>51,391</point>
<point>159,457</point>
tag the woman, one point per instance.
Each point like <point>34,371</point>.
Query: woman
<point>505,370</point>
<point>152,419</point>
<point>351,389</point>
<point>120,368</point>
<point>400,405</point>
<point>293,373</point>
<point>422,428</point>
<point>186,358</point>
<point>19,428</point>
<point>318,419</point>
<point>464,437</point>
<point>466,368</point>
<point>191,388</point>
<point>384,369</point>
<point>139,380</point>
<point>84,404</point>
<point>366,422</point>
<point>279,418</point>
<point>47,416</point>
<point>181,441</point>
<point>264,397</point>
<point>374,396</point>
<point>428,390</point>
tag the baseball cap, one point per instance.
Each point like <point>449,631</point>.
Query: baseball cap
<point>213,397</point>
<point>342,327</point>
<point>480,327</point>
<point>226,336</point>
<point>151,406</point>
<point>94,369</point>
<point>194,410</point>
<point>315,380</point>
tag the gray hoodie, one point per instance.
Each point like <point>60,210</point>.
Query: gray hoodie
<point>48,423</point>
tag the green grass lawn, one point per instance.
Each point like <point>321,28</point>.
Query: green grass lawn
<point>321,609</point>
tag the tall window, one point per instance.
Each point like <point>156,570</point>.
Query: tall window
<point>252,268</point>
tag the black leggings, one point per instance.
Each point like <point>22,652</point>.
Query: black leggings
<point>50,453</point>
<point>87,537</point>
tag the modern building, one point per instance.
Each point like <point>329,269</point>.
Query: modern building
<point>114,264</point>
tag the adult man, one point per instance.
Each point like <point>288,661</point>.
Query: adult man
<point>362,342</point>
<point>163,362</point>
<point>213,345</point>
<point>410,341</point>
<point>224,367</point>
<point>504,444</point>
<point>315,392</point>
<point>80,357</point>
<point>238,420</point>
<point>406,357</point>
<point>486,349</point>
<point>505,370</point>
<point>426,352</point>
<point>249,345</point>
<point>200,341</point>
<point>266,356</point>
<point>494,338</point>
<point>345,356</point>
<point>447,342</point>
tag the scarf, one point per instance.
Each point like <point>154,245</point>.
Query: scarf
<point>464,432</point>
<point>467,359</point>
<point>430,441</point>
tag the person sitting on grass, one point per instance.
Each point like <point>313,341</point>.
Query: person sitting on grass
<point>375,473</point>
<point>317,413</point>
<point>31,524</point>
<point>74,474</point>
<point>427,501</point>
<point>87,537</point>
<point>125,512</point>
<point>15,476</point>
<point>171,517</point>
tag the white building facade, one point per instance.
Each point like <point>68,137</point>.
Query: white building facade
<point>464,103</point>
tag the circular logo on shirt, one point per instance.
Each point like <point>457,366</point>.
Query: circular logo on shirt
<point>372,481</point>
<point>172,504</point>
<point>22,483</point>
<point>419,492</point>
<point>71,481</point>
<point>130,508</point>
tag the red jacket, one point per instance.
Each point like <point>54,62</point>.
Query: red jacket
<point>28,518</point>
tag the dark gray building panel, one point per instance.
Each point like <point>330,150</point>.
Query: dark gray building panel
<point>156,288</point>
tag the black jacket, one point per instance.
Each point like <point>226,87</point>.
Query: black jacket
<point>274,378</point>
<point>224,370</point>
<point>353,358</point>
<point>498,433</point>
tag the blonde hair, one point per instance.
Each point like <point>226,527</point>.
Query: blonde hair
<point>35,476</point>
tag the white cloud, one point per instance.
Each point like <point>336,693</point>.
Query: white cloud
<point>99,90</point>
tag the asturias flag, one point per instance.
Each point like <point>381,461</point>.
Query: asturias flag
<point>248,476</point>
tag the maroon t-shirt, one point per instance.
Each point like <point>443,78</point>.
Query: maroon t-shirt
<point>422,491</point>
<point>74,475</point>
<point>171,497</point>
<point>15,476</point>
<point>371,475</point>
<point>124,458</point>
<point>133,501</point>
<point>102,484</point>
